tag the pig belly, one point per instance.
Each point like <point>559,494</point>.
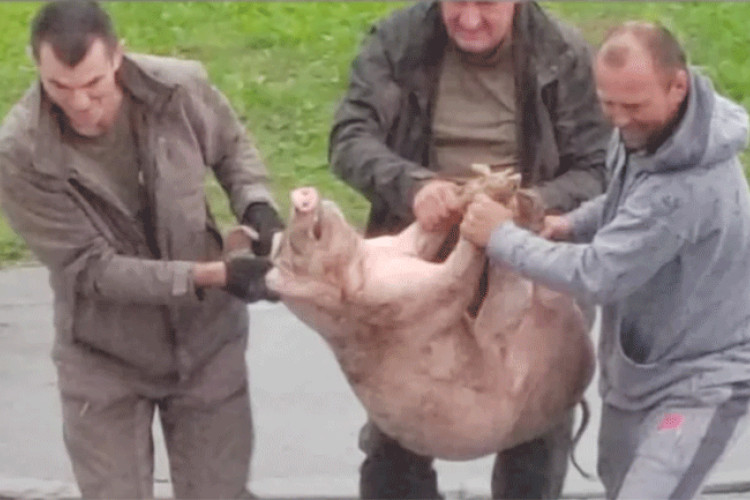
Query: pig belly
<point>451,424</point>
<point>448,420</point>
<point>458,389</point>
<point>454,414</point>
<point>441,383</point>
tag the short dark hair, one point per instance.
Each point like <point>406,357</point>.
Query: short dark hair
<point>665,51</point>
<point>70,27</point>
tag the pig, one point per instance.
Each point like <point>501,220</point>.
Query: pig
<point>442,382</point>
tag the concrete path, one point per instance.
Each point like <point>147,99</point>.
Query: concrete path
<point>307,418</point>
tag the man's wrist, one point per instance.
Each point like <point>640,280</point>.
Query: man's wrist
<point>210,274</point>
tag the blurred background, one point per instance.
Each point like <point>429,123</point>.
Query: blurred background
<point>285,65</point>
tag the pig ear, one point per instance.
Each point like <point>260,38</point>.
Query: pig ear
<point>515,179</point>
<point>529,209</point>
<point>481,169</point>
<point>239,239</point>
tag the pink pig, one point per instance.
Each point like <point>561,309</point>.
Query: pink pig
<point>443,383</point>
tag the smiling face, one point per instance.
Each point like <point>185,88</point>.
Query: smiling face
<point>478,27</point>
<point>637,97</point>
<point>88,92</point>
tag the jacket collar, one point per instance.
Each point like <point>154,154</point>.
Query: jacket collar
<point>538,42</point>
<point>144,84</point>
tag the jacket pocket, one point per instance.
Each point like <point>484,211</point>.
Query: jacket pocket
<point>134,334</point>
<point>644,384</point>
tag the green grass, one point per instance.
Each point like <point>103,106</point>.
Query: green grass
<point>285,65</point>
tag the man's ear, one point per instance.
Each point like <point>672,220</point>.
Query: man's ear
<point>117,54</point>
<point>678,88</point>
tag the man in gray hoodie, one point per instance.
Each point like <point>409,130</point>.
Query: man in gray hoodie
<point>665,252</point>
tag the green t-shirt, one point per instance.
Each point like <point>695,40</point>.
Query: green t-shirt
<point>474,115</point>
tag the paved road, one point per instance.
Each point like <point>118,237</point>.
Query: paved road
<point>306,417</point>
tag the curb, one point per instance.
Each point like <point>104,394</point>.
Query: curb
<point>27,488</point>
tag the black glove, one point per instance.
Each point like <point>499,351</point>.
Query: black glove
<point>264,219</point>
<point>246,278</point>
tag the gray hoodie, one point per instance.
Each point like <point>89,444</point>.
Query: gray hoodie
<point>666,252</point>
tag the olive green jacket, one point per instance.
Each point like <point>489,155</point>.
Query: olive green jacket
<point>381,134</point>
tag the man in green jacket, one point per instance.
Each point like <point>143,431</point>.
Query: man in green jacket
<point>102,168</point>
<point>437,87</point>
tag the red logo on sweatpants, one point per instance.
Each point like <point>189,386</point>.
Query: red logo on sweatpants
<point>671,421</point>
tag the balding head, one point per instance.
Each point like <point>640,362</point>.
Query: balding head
<point>638,42</point>
<point>641,81</point>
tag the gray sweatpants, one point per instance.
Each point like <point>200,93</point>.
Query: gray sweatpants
<point>666,451</point>
<point>206,423</point>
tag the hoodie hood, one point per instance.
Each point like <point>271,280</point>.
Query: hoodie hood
<point>712,130</point>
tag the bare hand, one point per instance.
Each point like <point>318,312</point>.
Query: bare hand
<point>556,227</point>
<point>482,217</point>
<point>436,205</point>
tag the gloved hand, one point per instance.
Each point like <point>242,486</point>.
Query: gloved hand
<point>246,278</point>
<point>264,219</point>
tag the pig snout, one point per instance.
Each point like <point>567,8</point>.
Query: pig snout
<point>306,216</point>
<point>305,200</point>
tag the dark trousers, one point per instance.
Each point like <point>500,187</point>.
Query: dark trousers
<point>535,469</point>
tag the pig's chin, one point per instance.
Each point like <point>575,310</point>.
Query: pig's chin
<point>316,229</point>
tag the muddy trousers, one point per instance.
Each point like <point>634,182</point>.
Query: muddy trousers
<point>206,423</point>
<point>535,469</point>
<point>666,451</point>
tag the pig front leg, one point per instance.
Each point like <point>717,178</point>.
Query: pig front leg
<point>416,289</point>
<point>413,241</point>
<point>507,302</point>
<point>465,262</point>
<point>458,277</point>
<point>420,243</point>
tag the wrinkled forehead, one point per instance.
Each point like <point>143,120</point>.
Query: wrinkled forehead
<point>624,68</point>
<point>97,62</point>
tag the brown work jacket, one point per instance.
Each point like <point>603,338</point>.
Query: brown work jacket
<point>124,293</point>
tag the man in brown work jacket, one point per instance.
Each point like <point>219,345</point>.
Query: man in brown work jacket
<point>102,168</point>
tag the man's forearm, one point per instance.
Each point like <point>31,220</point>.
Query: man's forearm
<point>585,219</point>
